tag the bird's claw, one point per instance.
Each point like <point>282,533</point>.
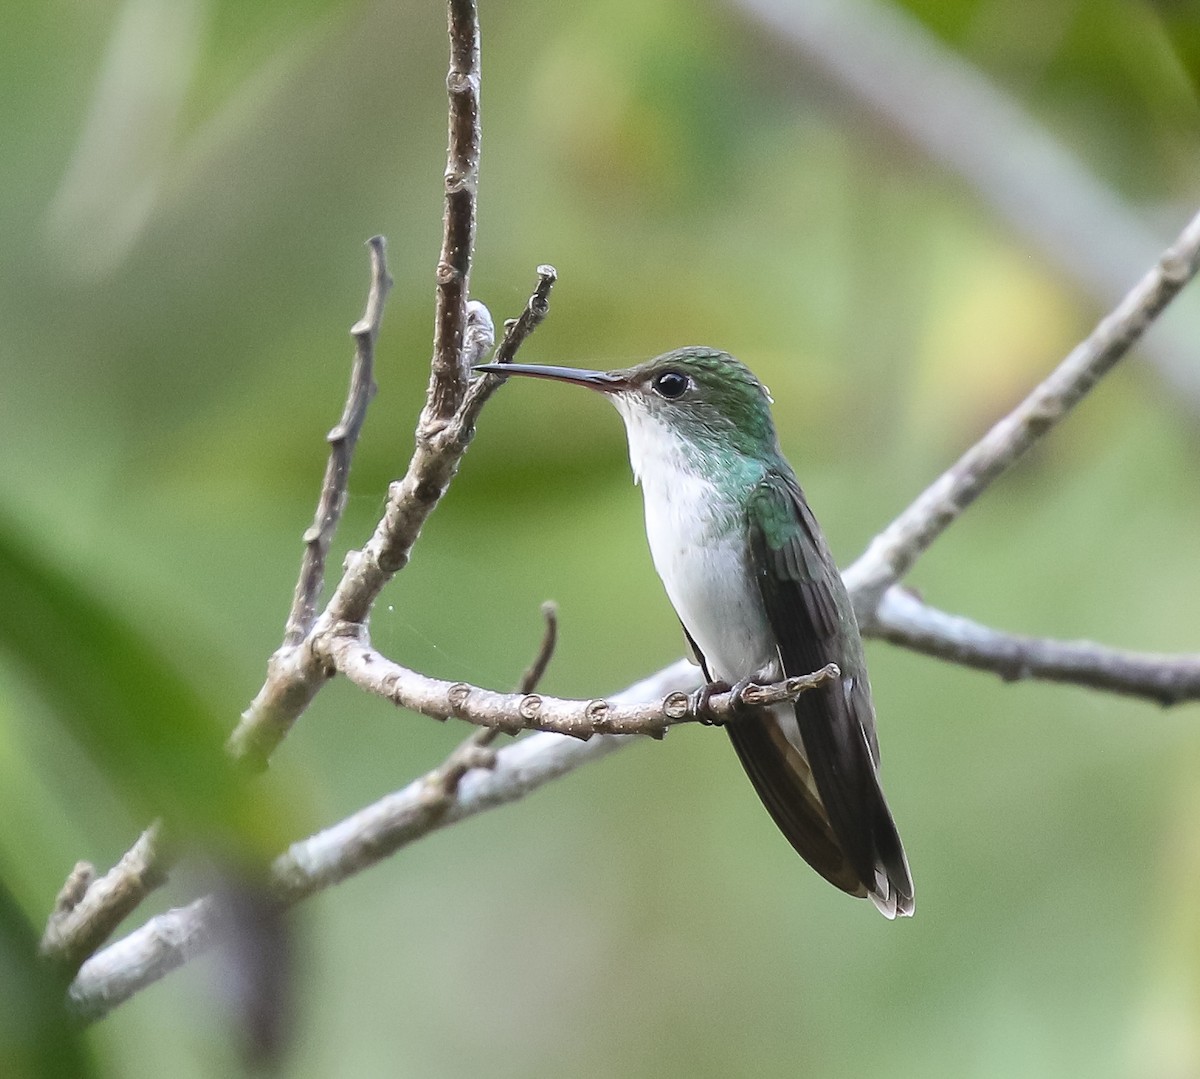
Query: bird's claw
<point>699,701</point>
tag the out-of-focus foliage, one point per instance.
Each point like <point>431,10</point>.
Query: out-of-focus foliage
<point>36,1037</point>
<point>145,728</point>
<point>186,187</point>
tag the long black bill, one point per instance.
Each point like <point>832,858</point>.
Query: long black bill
<point>605,381</point>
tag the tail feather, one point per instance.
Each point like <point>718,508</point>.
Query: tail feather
<point>783,780</point>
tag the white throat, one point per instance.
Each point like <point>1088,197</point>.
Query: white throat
<point>697,535</point>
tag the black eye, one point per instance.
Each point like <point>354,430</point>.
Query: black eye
<point>670,384</point>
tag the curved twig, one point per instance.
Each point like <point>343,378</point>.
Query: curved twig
<point>905,620</point>
<point>88,909</point>
<point>342,439</point>
<point>894,551</point>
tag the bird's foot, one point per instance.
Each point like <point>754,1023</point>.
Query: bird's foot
<point>698,701</point>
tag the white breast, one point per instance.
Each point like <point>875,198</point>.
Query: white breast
<point>698,542</point>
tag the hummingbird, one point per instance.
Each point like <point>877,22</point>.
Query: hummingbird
<point>759,596</point>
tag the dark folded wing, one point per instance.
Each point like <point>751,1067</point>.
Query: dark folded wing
<point>813,621</point>
<point>782,778</point>
<point>780,775</point>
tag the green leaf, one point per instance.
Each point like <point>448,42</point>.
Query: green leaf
<point>37,1038</point>
<point>145,724</point>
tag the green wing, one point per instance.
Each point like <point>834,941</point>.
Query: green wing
<point>813,621</point>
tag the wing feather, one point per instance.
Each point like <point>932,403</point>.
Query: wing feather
<point>784,782</point>
<point>813,621</point>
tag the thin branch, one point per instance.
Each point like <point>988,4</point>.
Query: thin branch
<point>164,943</point>
<point>480,779</point>
<point>448,377</point>
<point>169,940</point>
<point>905,620</point>
<point>88,910</point>
<point>473,752</point>
<point>353,657</point>
<point>889,64</point>
<point>462,332</point>
<point>466,756</point>
<point>537,669</point>
<point>293,674</point>
<point>411,500</point>
<point>516,331</point>
<point>293,678</point>
<point>894,551</point>
<point>342,440</point>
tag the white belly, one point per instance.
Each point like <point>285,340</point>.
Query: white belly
<point>698,543</point>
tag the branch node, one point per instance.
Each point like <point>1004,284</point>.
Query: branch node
<point>78,881</point>
<point>458,695</point>
<point>675,705</point>
<point>461,82</point>
<point>598,714</point>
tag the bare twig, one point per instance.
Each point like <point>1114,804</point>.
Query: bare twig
<point>887,62</point>
<point>537,669</point>
<point>353,657</point>
<point>464,331</point>
<point>894,551</point>
<point>473,752</point>
<point>905,620</point>
<point>169,940</point>
<point>476,778</point>
<point>448,378</point>
<point>411,500</point>
<point>296,673</point>
<point>466,756</point>
<point>342,440</point>
<point>515,333</point>
<point>164,943</point>
<point>293,674</point>
<point>88,910</point>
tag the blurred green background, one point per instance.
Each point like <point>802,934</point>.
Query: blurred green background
<point>187,185</point>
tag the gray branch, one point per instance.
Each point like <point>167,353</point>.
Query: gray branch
<point>895,550</point>
<point>168,940</point>
<point>342,441</point>
<point>476,778</point>
<point>905,620</point>
<point>293,675</point>
<point>164,943</point>
<point>449,374</point>
<point>89,909</point>
<point>511,713</point>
